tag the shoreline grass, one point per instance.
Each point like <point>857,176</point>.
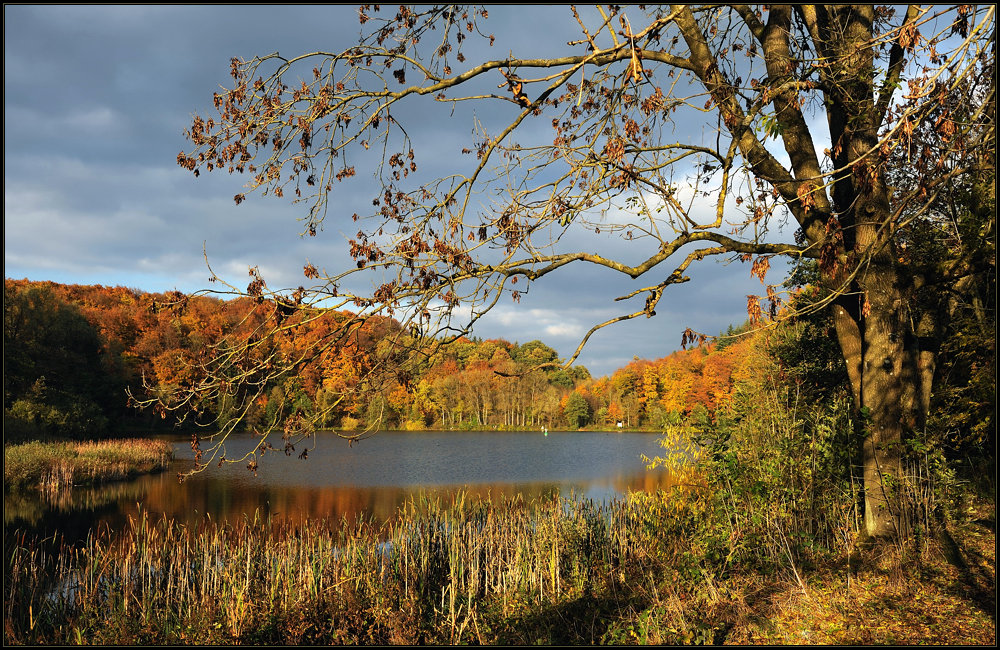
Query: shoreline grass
<point>508,572</point>
<point>55,466</point>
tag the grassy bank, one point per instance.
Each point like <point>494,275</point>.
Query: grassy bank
<point>508,572</point>
<point>58,465</point>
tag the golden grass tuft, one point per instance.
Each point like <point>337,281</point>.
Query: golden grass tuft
<point>54,466</point>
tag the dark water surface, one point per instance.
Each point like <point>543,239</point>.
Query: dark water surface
<point>371,478</point>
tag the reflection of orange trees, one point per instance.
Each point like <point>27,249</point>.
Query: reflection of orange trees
<point>646,482</point>
<point>225,500</point>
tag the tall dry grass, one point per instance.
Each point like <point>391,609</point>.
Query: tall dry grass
<point>440,573</point>
<point>54,466</point>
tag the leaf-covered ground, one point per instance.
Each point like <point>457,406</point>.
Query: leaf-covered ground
<point>945,595</point>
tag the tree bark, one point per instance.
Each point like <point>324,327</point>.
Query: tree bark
<point>881,406</point>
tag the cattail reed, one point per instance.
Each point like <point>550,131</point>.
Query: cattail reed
<point>435,573</point>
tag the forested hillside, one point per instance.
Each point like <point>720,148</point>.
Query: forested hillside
<point>72,351</point>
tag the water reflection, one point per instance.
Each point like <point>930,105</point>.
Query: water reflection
<point>373,479</point>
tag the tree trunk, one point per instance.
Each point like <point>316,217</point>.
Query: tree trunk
<point>888,389</point>
<point>872,345</point>
<point>882,407</point>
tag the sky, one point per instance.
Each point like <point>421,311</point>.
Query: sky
<point>96,100</point>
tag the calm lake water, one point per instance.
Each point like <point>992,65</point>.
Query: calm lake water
<point>371,478</point>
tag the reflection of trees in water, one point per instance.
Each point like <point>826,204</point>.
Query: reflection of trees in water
<point>646,482</point>
<point>230,501</point>
<point>30,508</point>
<point>223,500</point>
<point>233,496</point>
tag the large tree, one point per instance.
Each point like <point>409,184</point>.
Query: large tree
<point>797,111</point>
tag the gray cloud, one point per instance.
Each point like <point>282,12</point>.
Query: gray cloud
<point>96,100</point>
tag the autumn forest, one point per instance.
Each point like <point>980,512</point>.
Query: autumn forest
<point>75,350</point>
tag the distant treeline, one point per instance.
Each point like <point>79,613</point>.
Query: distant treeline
<point>71,351</point>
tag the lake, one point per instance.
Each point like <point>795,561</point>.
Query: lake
<point>374,477</point>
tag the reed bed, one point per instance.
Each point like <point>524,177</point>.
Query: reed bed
<point>56,466</point>
<point>454,572</point>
